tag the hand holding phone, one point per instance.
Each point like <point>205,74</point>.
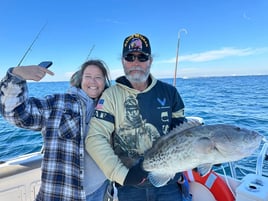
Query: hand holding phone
<point>45,64</point>
<point>33,72</point>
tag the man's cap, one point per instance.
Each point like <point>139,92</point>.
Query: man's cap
<point>136,43</point>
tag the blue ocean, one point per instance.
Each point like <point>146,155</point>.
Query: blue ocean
<point>238,100</point>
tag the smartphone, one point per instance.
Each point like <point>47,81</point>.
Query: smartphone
<point>45,64</point>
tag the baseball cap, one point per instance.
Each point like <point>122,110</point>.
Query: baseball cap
<point>136,43</point>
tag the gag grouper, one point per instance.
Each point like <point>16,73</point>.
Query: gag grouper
<point>199,147</point>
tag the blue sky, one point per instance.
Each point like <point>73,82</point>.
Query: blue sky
<point>227,37</point>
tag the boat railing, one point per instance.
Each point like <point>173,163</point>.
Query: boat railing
<point>262,156</point>
<point>21,164</point>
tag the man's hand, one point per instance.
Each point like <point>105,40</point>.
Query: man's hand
<point>136,174</point>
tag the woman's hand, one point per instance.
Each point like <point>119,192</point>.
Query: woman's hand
<point>33,72</point>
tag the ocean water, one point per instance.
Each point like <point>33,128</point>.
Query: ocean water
<point>238,100</point>
<point>16,141</point>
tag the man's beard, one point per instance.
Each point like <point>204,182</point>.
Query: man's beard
<point>138,77</point>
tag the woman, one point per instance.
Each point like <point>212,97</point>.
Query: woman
<point>68,172</point>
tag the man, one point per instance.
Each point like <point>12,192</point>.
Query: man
<point>128,118</point>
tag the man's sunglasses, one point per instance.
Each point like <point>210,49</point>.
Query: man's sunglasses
<point>140,57</point>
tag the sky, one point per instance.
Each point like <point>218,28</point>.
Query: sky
<point>216,37</point>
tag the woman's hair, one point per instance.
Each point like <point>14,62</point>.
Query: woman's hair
<point>76,78</point>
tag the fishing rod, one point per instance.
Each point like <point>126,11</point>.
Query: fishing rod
<point>91,49</point>
<point>177,55</point>
<point>73,77</point>
<point>28,50</point>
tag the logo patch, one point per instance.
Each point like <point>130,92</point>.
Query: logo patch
<point>100,104</point>
<point>162,102</point>
<point>135,44</point>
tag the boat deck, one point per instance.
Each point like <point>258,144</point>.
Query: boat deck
<point>20,178</point>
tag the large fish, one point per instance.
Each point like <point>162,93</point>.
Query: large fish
<point>199,147</point>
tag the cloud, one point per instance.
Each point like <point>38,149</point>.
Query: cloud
<point>68,75</point>
<point>246,17</point>
<point>216,54</point>
<point>116,72</point>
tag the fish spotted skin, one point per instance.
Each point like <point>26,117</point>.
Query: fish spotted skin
<point>199,146</point>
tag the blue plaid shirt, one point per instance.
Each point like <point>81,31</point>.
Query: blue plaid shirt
<point>59,118</point>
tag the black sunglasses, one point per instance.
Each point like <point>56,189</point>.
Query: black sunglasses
<point>140,57</point>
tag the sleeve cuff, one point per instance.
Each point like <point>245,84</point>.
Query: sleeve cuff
<point>13,77</point>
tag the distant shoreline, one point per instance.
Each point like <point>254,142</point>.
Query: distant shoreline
<point>185,77</point>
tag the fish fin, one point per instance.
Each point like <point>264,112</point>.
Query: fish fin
<point>195,120</point>
<point>204,145</point>
<point>159,180</point>
<point>189,123</point>
<point>204,169</point>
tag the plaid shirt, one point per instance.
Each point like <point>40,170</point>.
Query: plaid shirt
<point>59,118</point>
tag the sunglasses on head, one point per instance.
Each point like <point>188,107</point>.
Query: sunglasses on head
<point>140,57</point>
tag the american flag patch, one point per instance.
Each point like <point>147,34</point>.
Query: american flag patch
<point>100,104</point>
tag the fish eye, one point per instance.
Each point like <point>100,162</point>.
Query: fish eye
<point>238,128</point>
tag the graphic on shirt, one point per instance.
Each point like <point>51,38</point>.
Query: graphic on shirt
<point>165,122</point>
<point>135,135</point>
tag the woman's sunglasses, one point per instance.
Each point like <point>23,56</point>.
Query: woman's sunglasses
<point>140,57</point>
